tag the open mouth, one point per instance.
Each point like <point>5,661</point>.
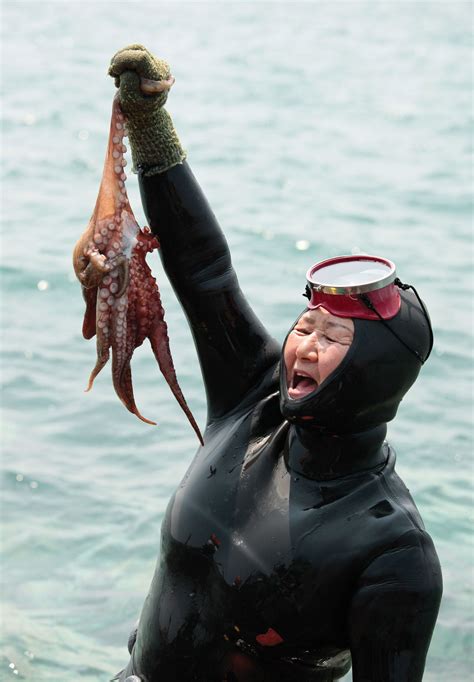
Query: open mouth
<point>301,385</point>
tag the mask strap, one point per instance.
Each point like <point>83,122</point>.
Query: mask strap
<point>400,284</point>
<point>404,287</point>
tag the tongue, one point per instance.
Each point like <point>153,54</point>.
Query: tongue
<point>305,385</point>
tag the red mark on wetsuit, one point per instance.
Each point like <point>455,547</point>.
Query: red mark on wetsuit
<point>270,638</point>
<point>215,540</point>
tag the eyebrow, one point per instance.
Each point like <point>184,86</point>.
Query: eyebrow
<point>338,324</point>
<point>329,323</point>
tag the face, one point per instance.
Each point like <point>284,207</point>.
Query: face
<point>315,347</point>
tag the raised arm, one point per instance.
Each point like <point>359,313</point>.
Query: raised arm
<point>233,347</point>
<point>394,611</point>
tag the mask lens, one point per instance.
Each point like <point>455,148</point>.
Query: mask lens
<point>348,274</point>
<point>338,284</point>
<point>351,274</point>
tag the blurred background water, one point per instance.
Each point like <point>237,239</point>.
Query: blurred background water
<point>315,128</point>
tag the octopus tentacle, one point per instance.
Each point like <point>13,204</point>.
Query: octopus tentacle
<point>102,360</point>
<point>160,345</point>
<point>124,389</point>
<point>88,326</point>
<point>123,305</point>
<point>123,278</point>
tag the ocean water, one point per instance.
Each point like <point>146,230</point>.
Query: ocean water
<point>315,128</point>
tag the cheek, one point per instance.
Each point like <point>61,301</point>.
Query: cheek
<point>330,360</point>
<point>289,352</point>
<point>335,357</point>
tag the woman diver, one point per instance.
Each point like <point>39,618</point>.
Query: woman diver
<point>291,550</point>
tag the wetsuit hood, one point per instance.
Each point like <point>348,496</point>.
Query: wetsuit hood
<point>365,390</point>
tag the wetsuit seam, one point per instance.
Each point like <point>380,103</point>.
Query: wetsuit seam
<point>353,474</point>
<point>396,500</point>
<point>393,548</point>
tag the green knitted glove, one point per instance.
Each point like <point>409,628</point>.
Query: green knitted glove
<point>153,139</point>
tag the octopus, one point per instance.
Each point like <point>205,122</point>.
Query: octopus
<point>123,303</point>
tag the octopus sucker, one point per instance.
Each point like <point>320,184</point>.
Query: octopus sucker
<point>123,304</point>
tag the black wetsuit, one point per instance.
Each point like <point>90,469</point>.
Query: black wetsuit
<point>286,551</point>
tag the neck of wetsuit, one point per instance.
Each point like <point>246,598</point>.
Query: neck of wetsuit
<point>322,456</point>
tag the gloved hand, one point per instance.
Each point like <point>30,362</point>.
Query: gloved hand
<point>154,143</point>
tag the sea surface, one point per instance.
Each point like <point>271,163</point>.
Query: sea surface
<point>315,128</point>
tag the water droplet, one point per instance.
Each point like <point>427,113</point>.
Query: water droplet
<point>302,245</point>
<point>19,477</point>
<point>83,134</point>
<point>355,250</point>
<point>28,354</point>
<point>12,665</point>
<point>29,119</point>
<point>43,285</point>
<point>33,485</point>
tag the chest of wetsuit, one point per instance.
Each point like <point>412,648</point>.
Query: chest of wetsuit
<point>271,569</point>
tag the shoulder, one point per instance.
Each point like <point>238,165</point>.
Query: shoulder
<point>401,556</point>
<point>408,566</point>
<point>393,611</point>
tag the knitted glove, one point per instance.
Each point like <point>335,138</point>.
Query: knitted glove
<point>154,143</point>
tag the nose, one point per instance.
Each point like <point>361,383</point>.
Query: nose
<point>307,348</point>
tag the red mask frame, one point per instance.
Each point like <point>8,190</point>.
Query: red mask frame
<point>343,285</point>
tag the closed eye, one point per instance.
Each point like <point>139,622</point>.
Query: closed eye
<point>303,331</point>
<point>340,341</point>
